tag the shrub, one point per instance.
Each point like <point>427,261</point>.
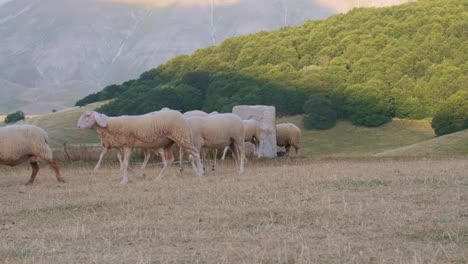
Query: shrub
<point>367,105</point>
<point>319,113</point>
<point>452,115</point>
<point>14,117</point>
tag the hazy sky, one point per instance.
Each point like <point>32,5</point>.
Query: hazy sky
<point>346,5</point>
<point>337,5</point>
<point>4,1</point>
<point>162,3</point>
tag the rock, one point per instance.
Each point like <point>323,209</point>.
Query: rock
<point>266,115</point>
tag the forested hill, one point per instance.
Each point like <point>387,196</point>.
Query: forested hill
<point>371,63</point>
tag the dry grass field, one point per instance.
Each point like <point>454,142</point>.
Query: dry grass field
<point>360,210</point>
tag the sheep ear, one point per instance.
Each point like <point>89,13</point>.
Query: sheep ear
<point>101,119</point>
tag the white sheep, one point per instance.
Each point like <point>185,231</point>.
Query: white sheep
<point>195,113</point>
<point>19,143</point>
<point>108,143</point>
<point>218,131</point>
<point>151,131</point>
<point>287,135</point>
<point>203,152</point>
<point>252,133</point>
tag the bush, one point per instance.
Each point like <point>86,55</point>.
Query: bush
<point>366,105</point>
<point>14,117</point>
<point>452,115</point>
<point>319,113</point>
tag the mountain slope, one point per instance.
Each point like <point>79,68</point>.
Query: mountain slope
<point>53,52</point>
<point>373,64</point>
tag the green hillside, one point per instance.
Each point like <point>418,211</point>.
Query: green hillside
<point>346,139</point>
<point>448,145</point>
<point>61,126</point>
<point>373,63</point>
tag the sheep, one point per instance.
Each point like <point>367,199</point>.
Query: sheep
<point>108,143</point>
<point>195,113</point>
<point>202,151</point>
<point>219,131</point>
<point>19,143</point>
<point>287,135</point>
<point>151,131</point>
<point>252,134</point>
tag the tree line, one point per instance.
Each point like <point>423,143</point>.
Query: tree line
<point>368,65</point>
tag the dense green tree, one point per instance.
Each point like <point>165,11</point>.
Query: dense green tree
<point>452,115</point>
<point>14,117</point>
<point>319,113</point>
<point>367,105</point>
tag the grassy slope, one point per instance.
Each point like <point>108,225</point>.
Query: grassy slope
<point>346,139</point>
<point>61,126</point>
<point>453,144</point>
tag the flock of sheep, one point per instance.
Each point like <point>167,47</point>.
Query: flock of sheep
<point>194,132</point>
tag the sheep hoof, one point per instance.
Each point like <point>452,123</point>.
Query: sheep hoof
<point>123,182</point>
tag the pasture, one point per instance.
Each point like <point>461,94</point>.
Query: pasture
<point>347,210</point>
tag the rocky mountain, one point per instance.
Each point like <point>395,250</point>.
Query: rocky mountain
<point>53,52</point>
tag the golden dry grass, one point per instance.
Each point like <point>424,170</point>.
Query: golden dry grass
<point>279,211</point>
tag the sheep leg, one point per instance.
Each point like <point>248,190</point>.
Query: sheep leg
<point>119,156</point>
<point>203,159</point>
<point>196,161</point>
<point>225,152</point>
<point>35,169</point>
<point>127,151</point>
<point>257,147</point>
<point>213,167</point>
<point>169,159</point>
<point>234,154</point>
<point>103,153</point>
<point>161,153</point>
<point>287,148</point>
<point>54,166</point>
<point>147,154</point>
<point>237,149</point>
<point>298,150</point>
<point>181,160</point>
<point>241,150</point>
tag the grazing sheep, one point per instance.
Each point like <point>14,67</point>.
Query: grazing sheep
<point>151,131</point>
<point>252,134</point>
<point>202,151</point>
<point>288,135</point>
<point>218,131</point>
<point>19,143</point>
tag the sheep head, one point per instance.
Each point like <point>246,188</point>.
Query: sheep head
<point>91,118</point>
